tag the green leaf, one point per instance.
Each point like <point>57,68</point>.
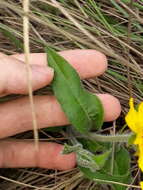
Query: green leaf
<point>102,158</point>
<point>122,160</point>
<point>85,158</point>
<point>121,172</point>
<point>83,109</point>
<point>90,145</point>
<point>68,148</point>
<point>106,178</point>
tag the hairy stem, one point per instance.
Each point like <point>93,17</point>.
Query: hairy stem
<point>109,138</point>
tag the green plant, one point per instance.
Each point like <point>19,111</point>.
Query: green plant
<point>85,112</point>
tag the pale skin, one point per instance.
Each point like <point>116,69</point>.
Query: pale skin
<point>15,115</point>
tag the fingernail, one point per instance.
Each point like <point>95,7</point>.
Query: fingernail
<point>41,75</point>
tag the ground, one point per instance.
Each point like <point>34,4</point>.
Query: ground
<point>112,27</point>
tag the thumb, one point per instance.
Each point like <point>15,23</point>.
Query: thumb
<point>13,76</point>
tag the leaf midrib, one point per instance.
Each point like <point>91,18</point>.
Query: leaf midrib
<point>75,97</point>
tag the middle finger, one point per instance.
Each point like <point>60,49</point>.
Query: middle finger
<point>15,116</point>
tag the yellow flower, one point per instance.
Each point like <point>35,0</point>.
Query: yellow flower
<point>134,119</point>
<point>141,184</point>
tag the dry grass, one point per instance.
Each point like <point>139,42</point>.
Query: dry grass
<point>112,27</point>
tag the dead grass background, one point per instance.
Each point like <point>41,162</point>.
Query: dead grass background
<point>113,27</point>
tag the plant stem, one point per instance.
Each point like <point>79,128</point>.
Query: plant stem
<point>29,72</point>
<point>109,138</point>
<point>113,149</point>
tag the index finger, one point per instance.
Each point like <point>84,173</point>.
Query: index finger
<point>88,63</point>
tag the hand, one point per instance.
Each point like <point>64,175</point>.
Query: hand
<point>15,115</point>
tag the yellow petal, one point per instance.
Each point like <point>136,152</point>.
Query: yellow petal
<point>140,160</point>
<point>138,140</point>
<point>140,109</point>
<point>141,184</point>
<point>132,117</point>
<point>140,117</point>
<point>131,103</point>
<point>140,163</point>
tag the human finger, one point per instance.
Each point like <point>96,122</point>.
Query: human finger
<point>23,154</point>
<point>15,116</point>
<point>88,63</point>
<point>13,76</point>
